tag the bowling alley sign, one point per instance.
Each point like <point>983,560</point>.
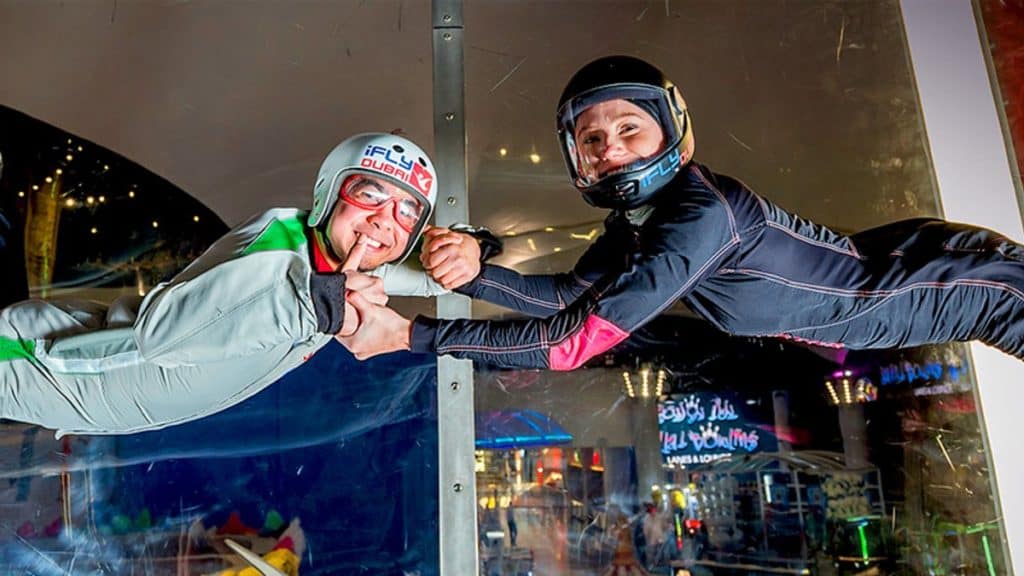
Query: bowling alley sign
<point>701,428</point>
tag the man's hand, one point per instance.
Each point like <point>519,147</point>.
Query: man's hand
<point>350,323</point>
<point>380,329</point>
<point>371,287</point>
<point>451,258</point>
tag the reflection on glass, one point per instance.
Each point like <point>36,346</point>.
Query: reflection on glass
<point>352,465</point>
<point>759,455</point>
<point>333,475</point>
<point>95,224</point>
<point>754,456</point>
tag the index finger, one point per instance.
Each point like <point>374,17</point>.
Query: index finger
<point>355,255</point>
<point>360,302</point>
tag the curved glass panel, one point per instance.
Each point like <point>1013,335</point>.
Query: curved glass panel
<point>686,451</point>
<point>93,223</point>
<point>175,119</point>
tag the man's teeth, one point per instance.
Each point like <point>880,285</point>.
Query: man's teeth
<point>372,243</point>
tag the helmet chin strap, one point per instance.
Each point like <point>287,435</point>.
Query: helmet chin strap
<point>325,241</point>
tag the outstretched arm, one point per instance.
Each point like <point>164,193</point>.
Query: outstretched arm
<point>678,250</point>
<point>455,259</point>
<point>236,308</point>
<point>539,295</point>
<point>224,306</point>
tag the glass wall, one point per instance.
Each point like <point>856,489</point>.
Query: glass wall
<point>134,134</point>
<point>132,137</point>
<point>684,450</point>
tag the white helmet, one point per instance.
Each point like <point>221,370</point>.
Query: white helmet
<point>387,156</point>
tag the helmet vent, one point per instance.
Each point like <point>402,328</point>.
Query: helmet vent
<point>398,148</point>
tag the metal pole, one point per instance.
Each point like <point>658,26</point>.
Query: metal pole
<point>458,525</point>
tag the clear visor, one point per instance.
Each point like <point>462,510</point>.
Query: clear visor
<point>615,130</point>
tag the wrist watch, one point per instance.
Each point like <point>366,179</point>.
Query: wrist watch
<point>490,245</point>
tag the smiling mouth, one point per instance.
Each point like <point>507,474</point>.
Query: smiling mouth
<point>373,243</point>
<point>613,171</point>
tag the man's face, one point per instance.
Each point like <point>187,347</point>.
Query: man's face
<point>613,134</point>
<point>386,238</point>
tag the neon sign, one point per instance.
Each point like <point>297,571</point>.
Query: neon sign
<point>702,428</point>
<point>927,378</point>
<point>910,372</point>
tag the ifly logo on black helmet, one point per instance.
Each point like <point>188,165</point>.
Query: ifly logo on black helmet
<point>397,165</point>
<point>668,165</point>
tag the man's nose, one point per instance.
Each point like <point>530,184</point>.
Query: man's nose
<point>383,218</point>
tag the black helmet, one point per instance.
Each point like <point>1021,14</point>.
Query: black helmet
<point>645,86</point>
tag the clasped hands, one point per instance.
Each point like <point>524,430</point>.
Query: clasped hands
<point>370,328</point>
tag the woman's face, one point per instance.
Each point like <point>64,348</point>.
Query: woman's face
<point>613,134</point>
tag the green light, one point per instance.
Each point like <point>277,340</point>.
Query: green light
<point>852,519</point>
<point>979,527</point>
<point>863,542</point>
<point>988,555</point>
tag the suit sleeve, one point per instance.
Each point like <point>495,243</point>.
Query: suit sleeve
<point>542,295</point>
<point>408,279</point>
<point>681,244</point>
<point>236,308</point>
